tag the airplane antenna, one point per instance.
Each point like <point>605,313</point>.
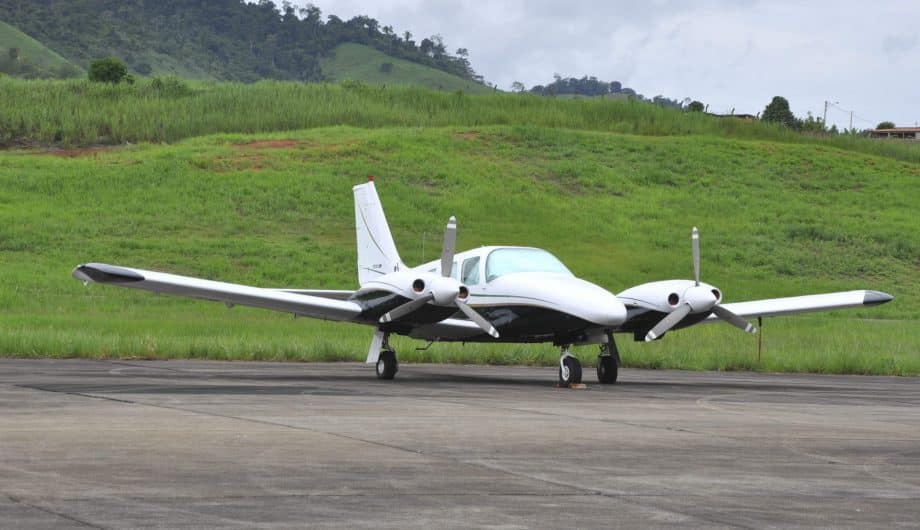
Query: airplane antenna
<point>759,337</point>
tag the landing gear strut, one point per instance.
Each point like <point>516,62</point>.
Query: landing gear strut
<point>569,368</point>
<point>386,361</point>
<point>608,360</point>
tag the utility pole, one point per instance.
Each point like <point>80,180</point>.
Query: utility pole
<point>851,121</point>
<point>824,119</point>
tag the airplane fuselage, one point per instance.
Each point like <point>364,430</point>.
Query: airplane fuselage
<point>526,292</point>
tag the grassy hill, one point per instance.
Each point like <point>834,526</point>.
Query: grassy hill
<point>357,62</point>
<point>777,218</point>
<point>44,61</point>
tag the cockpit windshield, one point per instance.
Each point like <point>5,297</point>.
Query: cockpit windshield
<point>508,260</point>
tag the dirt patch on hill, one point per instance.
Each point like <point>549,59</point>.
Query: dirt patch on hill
<point>269,144</point>
<point>467,135</point>
<point>80,151</point>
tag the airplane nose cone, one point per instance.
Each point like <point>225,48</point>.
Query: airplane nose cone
<point>613,314</point>
<point>593,303</point>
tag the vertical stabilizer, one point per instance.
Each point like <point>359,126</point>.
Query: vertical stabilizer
<point>377,253</point>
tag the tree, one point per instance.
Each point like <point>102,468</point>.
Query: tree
<point>778,112</point>
<point>108,70</point>
<point>696,106</point>
<point>13,54</point>
<point>885,125</point>
<point>517,86</point>
<point>812,124</point>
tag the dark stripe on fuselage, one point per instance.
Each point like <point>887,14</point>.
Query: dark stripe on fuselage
<point>514,322</point>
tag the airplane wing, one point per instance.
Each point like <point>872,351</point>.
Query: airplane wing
<point>804,304</point>
<point>297,303</point>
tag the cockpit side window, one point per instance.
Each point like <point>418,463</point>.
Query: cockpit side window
<point>470,271</point>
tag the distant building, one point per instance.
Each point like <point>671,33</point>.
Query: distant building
<point>903,133</point>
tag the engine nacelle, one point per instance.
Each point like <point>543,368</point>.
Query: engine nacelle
<point>414,285</point>
<point>665,296</point>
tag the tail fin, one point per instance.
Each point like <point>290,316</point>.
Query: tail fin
<point>377,253</point>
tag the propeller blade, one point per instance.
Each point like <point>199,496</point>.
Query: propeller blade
<point>734,319</point>
<point>405,309</point>
<point>478,319</point>
<point>695,239</point>
<point>447,251</point>
<point>668,322</point>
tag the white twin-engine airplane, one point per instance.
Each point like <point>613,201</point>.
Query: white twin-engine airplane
<point>488,294</point>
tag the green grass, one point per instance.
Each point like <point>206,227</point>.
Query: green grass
<point>357,62</point>
<point>32,51</point>
<point>82,113</point>
<point>777,218</point>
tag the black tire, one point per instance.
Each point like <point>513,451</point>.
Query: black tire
<point>387,365</point>
<point>606,369</point>
<point>572,374</point>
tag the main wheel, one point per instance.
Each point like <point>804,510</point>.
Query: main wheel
<point>387,365</point>
<point>570,372</point>
<point>606,369</point>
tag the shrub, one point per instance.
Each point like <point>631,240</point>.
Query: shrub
<point>169,86</point>
<point>108,70</point>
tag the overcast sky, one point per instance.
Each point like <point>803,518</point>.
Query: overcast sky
<point>727,53</point>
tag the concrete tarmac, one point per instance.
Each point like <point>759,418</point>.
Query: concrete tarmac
<point>124,444</point>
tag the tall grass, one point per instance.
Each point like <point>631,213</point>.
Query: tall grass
<point>79,113</point>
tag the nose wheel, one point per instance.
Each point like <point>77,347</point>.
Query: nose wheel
<point>569,369</point>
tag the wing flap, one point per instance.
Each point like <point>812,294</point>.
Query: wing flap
<point>804,304</point>
<point>334,294</point>
<point>228,293</point>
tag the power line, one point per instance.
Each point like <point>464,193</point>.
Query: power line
<point>835,105</point>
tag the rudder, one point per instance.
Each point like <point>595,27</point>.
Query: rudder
<point>377,254</point>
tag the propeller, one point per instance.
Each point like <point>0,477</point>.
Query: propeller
<point>444,290</point>
<point>698,299</point>
<point>695,241</point>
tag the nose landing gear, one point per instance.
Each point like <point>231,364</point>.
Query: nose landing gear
<point>569,368</point>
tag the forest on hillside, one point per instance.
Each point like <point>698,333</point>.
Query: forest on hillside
<point>593,87</point>
<point>224,39</point>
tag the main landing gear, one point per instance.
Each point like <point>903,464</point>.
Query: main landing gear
<point>386,361</point>
<point>608,361</point>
